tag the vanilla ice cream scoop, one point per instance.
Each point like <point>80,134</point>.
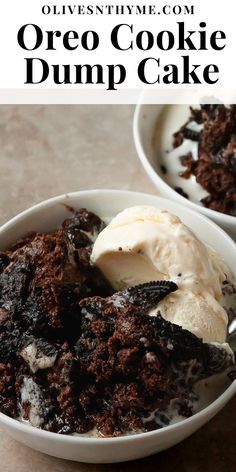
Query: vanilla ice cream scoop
<point>201,314</point>
<point>143,244</point>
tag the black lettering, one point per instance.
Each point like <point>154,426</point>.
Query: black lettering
<point>166,10</point>
<point>202,37</point>
<point>89,74</point>
<point>139,40</point>
<point>65,76</point>
<point>214,40</point>
<point>190,74</point>
<point>177,10</point>
<point>95,40</point>
<point>29,70</point>
<point>112,81</point>
<point>68,37</point>
<point>172,77</point>
<point>170,40</point>
<point>71,9</point>
<point>185,40</point>
<point>46,10</point>
<point>140,9</point>
<point>142,70</point>
<point>55,10</point>
<point>115,37</point>
<point>207,71</point>
<point>189,10</point>
<point>50,42</point>
<point>38,37</point>
<point>100,10</point>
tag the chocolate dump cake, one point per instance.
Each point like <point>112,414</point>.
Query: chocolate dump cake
<point>77,357</point>
<point>215,164</point>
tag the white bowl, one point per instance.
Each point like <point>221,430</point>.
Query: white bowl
<point>147,121</point>
<point>49,215</point>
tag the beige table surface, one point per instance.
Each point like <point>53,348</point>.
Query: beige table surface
<point>48,150</point>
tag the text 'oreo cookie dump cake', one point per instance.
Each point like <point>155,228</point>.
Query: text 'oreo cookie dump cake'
<point>211,159</point>
<point>87,347</point>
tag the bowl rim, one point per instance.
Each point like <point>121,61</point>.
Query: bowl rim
<point>155,177</point>
<point>80,439</point>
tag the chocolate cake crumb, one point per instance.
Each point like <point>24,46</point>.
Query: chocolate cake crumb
<point>8,399</point>
<point>127,368</point>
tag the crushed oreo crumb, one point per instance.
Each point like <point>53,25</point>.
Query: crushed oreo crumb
<point>181,192</point>
<point>191,134</point>
<point>163,169</point>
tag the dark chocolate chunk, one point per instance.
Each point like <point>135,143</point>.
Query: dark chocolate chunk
<point>181,192</point>
<point>191,134</point>
<point>146,296</point>
<point>84,220</point>
<point>163,169</point>
<point>210,109</point>
<point>232,375</point>
<point>4,261</point>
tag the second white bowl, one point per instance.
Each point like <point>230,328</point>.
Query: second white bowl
<point>147,121</point>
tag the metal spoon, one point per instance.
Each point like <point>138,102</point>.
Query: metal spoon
<point>232,334</point>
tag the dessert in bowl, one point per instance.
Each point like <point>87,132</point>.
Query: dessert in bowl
<point>189,154</point>
<point>92,346</point>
